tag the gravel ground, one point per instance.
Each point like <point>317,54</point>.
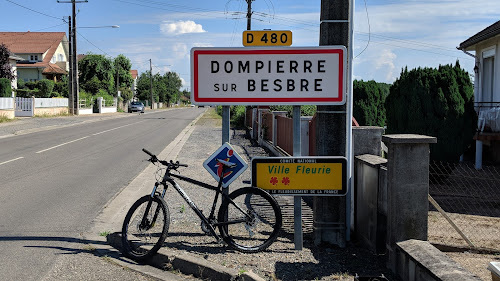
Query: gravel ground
<point>280,261</point>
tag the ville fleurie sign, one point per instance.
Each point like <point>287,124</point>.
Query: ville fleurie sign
<point>269,75</point>
<point>301,175</point>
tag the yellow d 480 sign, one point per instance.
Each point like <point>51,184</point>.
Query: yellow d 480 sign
<point>301,176</point>
<point>267,38</point>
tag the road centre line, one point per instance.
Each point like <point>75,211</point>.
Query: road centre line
<point>12,160</point>
<point>50,148</point>
<point>59,145</point>
<point>116,128</point>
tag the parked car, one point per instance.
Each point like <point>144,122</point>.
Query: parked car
<point>136,106</point>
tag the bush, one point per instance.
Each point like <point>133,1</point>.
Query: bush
<point>237,114</point>
<point>26,93</point>
<point>87,98</point>
<point>21,84</point>
<point>62,87</point>
<point>32,85</point>
<point>434,102</point>
<point>108,99</point>
<point>45,86</point>
<point>126,93</point>
<point>5,88</point>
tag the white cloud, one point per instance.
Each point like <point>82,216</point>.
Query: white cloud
<point>180,27</point>
<point>385,62</point>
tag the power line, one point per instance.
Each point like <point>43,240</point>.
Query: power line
<point>92,43</point>
<point>369,31</point>
<point>179,9</point>
<point>34,10</point>
<point>420,50</point>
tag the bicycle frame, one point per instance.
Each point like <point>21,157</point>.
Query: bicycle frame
<point>208,221</point>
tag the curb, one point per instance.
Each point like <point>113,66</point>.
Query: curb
<point>190,265</point>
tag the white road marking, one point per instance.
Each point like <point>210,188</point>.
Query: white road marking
<point>116,128</point>
<point>50,148</point>
<point>12,160</point>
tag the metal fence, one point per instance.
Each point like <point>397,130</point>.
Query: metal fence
<point>465,205</point>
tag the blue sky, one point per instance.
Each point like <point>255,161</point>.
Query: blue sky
<point>395,33</point>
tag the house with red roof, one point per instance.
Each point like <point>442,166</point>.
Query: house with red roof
<point>44,54</point>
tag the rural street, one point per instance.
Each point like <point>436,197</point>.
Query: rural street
<point>54,183</point>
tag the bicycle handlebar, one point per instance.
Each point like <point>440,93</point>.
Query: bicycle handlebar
<point>170,165</point>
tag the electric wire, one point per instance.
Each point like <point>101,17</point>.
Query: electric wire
<point>369,31</point>
<point>38,12</point>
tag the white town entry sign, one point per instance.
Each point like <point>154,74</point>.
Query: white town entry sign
<point>268,76</point>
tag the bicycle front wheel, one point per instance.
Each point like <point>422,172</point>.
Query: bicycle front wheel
<point>251,221</point>
<point>145,227</point>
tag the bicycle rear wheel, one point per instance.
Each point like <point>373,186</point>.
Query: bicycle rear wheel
<point>253,220</point>
<point>144,233</point>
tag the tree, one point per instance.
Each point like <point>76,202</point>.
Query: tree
<point>173,85</point>
<point>122,66</point>
<point>143,86</point>
<point>166,88</point>
<point>435,102</point>
<point>5,67</point>
<point>368,105</point>
<point>96,72</point>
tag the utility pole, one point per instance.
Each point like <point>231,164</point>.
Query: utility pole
<point>70,76</point>
<point>249,14</point>
<point>330,217</point>
<point>74,72</point>
<point>151,81</point>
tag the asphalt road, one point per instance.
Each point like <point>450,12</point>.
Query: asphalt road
<point>54,183</point>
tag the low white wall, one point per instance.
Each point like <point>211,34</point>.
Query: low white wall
<point>108,109</point>
<point>51,102</point>
<point>6,103</point>
<point>85,111</point>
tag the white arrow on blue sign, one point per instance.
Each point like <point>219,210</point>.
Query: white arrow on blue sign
<point>226,153</point>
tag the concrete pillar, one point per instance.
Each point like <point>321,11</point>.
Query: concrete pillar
<point>407,189</point>
<point>367,140</point>
<point>275,125</point>
<point>99,104</point>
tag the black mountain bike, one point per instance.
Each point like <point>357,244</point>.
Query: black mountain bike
<point>248,219</point>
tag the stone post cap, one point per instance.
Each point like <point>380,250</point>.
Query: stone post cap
<point>408,139</point>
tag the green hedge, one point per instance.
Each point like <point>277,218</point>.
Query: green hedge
<point>5,88</point>
<point>434,102</point>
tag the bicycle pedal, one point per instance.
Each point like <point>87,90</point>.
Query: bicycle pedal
<point>222,242</point>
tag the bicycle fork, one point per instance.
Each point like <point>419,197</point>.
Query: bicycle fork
<point>145,224</point>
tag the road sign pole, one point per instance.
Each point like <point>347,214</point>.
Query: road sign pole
<point>225,133</point>
<point>297,200</point>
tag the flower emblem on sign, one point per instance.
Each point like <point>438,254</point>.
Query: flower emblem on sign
<point>285,181</point>
<point>274,180</point>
